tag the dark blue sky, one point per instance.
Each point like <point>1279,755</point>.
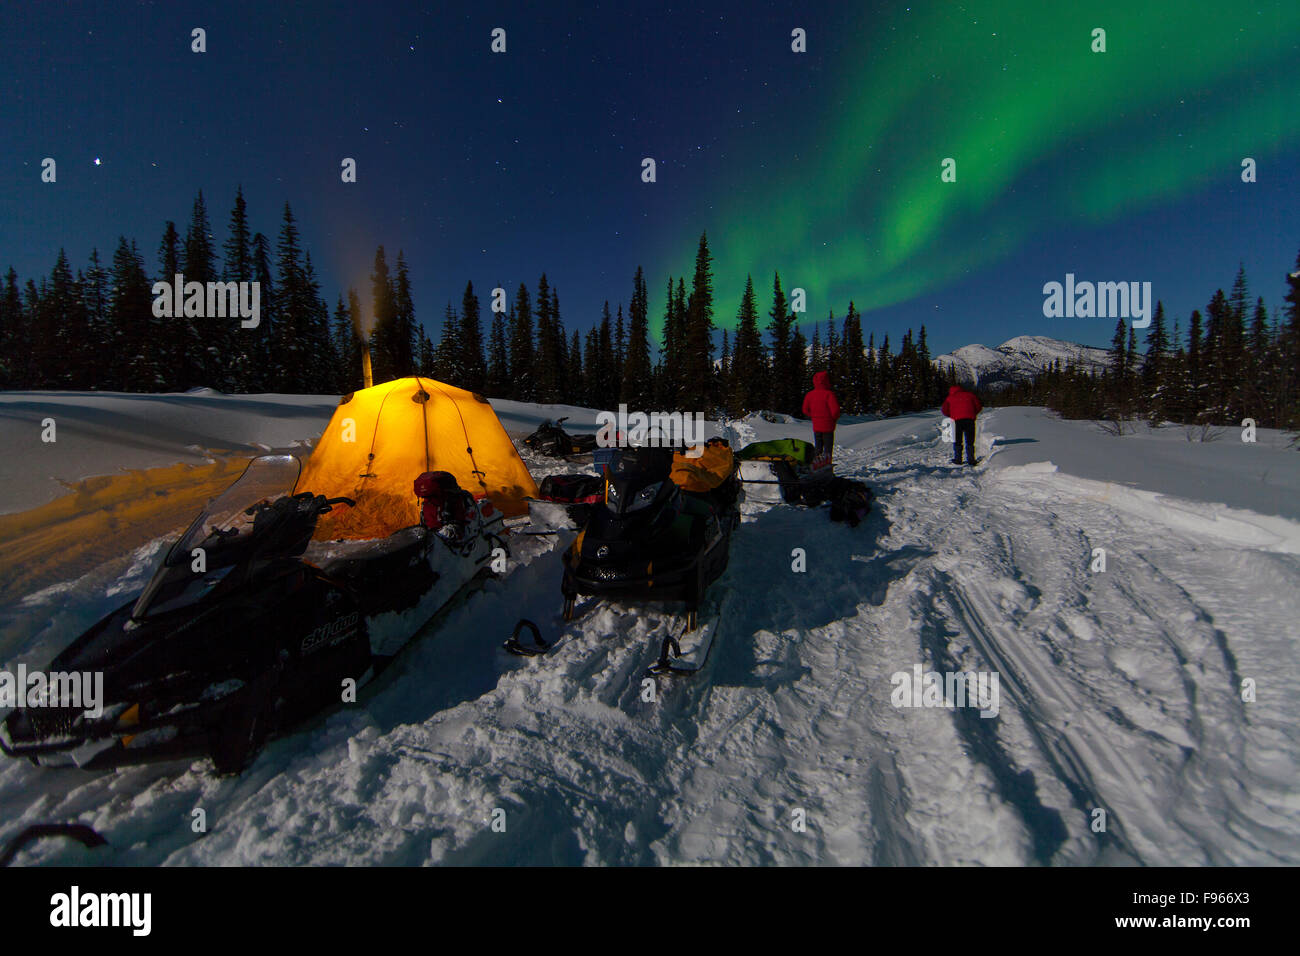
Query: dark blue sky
<point>496,168</point>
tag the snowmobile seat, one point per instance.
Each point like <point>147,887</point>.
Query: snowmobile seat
<point>573,489</point>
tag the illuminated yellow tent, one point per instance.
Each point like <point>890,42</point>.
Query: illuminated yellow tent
<point>382,438</point>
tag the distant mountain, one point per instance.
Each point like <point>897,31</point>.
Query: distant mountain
<point>1018,360</point>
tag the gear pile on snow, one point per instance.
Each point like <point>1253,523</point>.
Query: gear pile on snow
<point>850,500</point>
<point>784,469</point>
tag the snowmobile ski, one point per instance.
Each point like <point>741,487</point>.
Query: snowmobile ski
<point>520,649</point>
<point>79,832</point>
<point>671,654</point>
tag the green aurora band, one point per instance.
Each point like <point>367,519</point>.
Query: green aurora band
<point>1045,134</point>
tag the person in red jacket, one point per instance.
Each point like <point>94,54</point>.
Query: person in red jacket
<point>962,406</point>
<point>820,405</point>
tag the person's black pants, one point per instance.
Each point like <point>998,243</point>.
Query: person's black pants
<point>966,433</point>
<point>822,442</point>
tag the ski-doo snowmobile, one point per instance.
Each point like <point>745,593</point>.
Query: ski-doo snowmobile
<point>663,531</point>
<point>552,440</point>
<point>249,625</point>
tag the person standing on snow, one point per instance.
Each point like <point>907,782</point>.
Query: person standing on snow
<point>962,406</point>
<point>820,405</point>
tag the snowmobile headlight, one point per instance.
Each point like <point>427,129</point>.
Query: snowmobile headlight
<point>645,496</point>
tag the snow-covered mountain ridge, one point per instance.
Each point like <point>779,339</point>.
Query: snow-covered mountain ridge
<point>1018,360</point>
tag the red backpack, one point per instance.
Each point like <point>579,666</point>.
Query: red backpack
<point>443,502</point>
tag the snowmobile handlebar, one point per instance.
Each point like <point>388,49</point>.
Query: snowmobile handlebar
<point>341,500</point>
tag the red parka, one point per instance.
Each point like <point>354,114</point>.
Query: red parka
<point>820,404</point>
<point>961,404</point>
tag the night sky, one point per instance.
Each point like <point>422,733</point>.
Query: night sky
<point>1123,165</point>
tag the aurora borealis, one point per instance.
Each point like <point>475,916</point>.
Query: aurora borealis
<point>1122,165</point>
<point>1045,132</point>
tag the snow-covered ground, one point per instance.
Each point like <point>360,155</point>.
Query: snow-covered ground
<point>1120,690</point>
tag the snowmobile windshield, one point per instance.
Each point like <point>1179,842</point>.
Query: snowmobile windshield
<point>186,576</point>
<point>226,517</point>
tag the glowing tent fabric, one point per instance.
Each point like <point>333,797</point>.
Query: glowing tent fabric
<point>382,438</point>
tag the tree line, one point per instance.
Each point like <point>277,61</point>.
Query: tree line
<point>95,330</point>
<point>1237,360</point>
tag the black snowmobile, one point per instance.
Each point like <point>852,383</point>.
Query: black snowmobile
<point>552,440</point>
<point>651,539</point>
<point>248,625</point>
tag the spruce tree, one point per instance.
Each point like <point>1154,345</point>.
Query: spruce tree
<point>404,323</point>
<point>347,347</point>
<point>604,384</point>
<point>562,346</point>
<point>318,374</point>
<point>471,332</point>
<point>262,374</point>
<point>885,379</point>
<point>620,356</point>
<point>575,393</point>
<point>200,261</point>
<point>446,358</point>
<point>386,353</point>
<point>523,375</point>
<point>669,352</point>
<point>58,338</point>
<point>799,373</point>
<point>1289,365</point>
<point>289,344</point>
<point>548,347</point>
<point>783,386</point>
<point>1152,381</point>
<point>207,340</point>
<point>425,360</point>
<point>13,334</point>
<point>748,377</point>
<point>851,382</point>
<point>637,378</point>
<point>1196,388</point>
<point>238,248</point>
<point>929,395</point>
<point>699,333</point>
<point>133,358</point>
<point>870,391</point>
<point>497,384</point>
<point>241,347</point>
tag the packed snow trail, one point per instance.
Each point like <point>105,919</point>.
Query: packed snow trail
<point>1120,691</point>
